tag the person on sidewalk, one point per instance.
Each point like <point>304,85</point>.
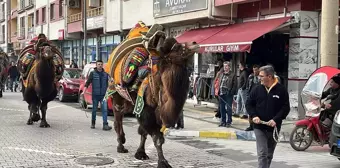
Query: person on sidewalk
<point>99,79</point>
<point>13,74</point>
<point>218,71</point>
<point>252,81</point>
<point>227,89</point>
<point>267,102</point>
<point>242,92</point>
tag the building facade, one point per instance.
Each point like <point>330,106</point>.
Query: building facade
<point>284,33</point>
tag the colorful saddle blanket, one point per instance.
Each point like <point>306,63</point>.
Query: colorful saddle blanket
<point>27,60</point>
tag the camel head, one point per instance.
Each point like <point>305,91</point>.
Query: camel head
<point>178,53</point>
<point>46,53</point>
<point>174,77</point>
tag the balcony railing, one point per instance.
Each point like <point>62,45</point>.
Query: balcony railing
<point>95,12</point>
<point>90,13</point>
<point>74,18</point>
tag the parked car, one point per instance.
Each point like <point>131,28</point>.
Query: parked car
<point>85,98</point>
<point>68,85</point>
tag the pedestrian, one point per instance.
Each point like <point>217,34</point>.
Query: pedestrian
<point>242,92</point>
<point>252,81</point>
<point>267,102</point>
<point>218,72</point>
<point>99,79</point>
<point>13,74</point>
<point>226,90</point>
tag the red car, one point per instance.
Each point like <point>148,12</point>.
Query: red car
<point>85,99</point>
<point>68,85</point>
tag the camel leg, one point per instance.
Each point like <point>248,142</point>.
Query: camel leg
<point>118,125</point>
<point>0,91</point>
<point>158,140</point>
<point>34,113</point>
<point>43,109</point>
<point>140,154</point>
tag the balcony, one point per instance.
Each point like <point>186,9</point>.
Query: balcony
<point>90,13</point>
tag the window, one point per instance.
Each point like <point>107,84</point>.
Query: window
<point>43,12</point>
<point>3,11</point>
<point>37,17</point>
<point>61,14</point>
<point>52,11</point>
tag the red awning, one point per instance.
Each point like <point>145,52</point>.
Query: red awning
<point>239,37</point>
<point>199,35</point>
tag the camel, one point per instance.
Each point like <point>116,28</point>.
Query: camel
<point>46,65</point>
<point>4,65</point>
<point>164,89</point>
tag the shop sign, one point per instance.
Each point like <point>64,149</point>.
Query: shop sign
<point>173,7</point>
<point>176,31</point>
<point>222,48</point>
<point>95,22</point>
<point>61,34</point>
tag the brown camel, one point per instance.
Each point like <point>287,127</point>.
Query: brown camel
<point>164,98</point>
<point>40,87</point>
<point>4,65</point>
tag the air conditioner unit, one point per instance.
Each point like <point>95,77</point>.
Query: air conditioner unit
<point>73,3</point>
<point>94,3</point>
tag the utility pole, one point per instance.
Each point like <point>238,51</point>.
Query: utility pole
<point>329,33</point>
<point>85,32</point>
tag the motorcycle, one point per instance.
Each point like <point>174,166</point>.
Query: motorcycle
<point>316,126</point>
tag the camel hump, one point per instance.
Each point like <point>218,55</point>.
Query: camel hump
<point>27,58</point>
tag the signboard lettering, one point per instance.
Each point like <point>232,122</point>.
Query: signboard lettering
<point>226,48</point>
<point>173,7</point>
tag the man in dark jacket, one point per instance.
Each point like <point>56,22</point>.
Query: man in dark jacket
<point>267,102</point>
<point>99,80</point>
<point>332,101</point>
<point>227,89</point>
<point>13,74</point>
<point>253,80</point>
<point>242,92</point>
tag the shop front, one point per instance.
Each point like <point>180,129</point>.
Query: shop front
<point>259,42</point>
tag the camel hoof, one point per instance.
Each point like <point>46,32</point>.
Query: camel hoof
<point>141,155</point>
<point>44,124</point>
<point>35,117</point>
<point>163,164</point>
<point>121,149</point>
<point>29,122</point>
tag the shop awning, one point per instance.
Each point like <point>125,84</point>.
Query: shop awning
<point>231,38</point>
<point>199,35</point>
<point>239,37</point>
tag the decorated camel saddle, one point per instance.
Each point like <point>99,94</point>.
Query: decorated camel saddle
<point>26,60</point>
<point>134,60</point>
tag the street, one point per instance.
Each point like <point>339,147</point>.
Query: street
<point>70,142</point>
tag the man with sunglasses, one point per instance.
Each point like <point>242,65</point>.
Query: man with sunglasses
<point>267,102</point>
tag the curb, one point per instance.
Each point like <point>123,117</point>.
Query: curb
<point>229,135</point>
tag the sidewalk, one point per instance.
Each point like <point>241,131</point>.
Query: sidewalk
<point>200,121</point>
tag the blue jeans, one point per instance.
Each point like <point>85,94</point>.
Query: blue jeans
<point>241,102</point>
<point>226,100</point>
<point>95,101</point>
